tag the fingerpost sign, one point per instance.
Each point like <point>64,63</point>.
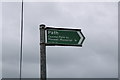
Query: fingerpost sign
<point>63,37</point>
<point>57,37</point>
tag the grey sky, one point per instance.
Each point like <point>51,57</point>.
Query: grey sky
<point>98,58</point>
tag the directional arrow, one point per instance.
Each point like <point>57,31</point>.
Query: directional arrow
<point>65,37</point>
<point>81,36</point>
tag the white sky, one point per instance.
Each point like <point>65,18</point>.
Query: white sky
<point>96,59</point>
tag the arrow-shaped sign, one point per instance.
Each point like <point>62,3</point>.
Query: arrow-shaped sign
<point>64,37</point>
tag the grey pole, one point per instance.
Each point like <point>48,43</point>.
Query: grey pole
<point>42,52</point>
<point>21,43</point>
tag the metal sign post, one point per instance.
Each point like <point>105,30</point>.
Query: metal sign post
<point>42,52</point>
<point>57,37</point>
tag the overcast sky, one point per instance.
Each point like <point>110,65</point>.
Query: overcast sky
<point>98,58</point>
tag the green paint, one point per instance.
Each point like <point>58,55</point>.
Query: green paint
<point>70,37</point>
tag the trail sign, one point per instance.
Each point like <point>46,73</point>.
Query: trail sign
<point>57,36</point>
<point>63,37</point>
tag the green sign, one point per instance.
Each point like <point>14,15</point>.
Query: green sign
<point>66,37</point>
